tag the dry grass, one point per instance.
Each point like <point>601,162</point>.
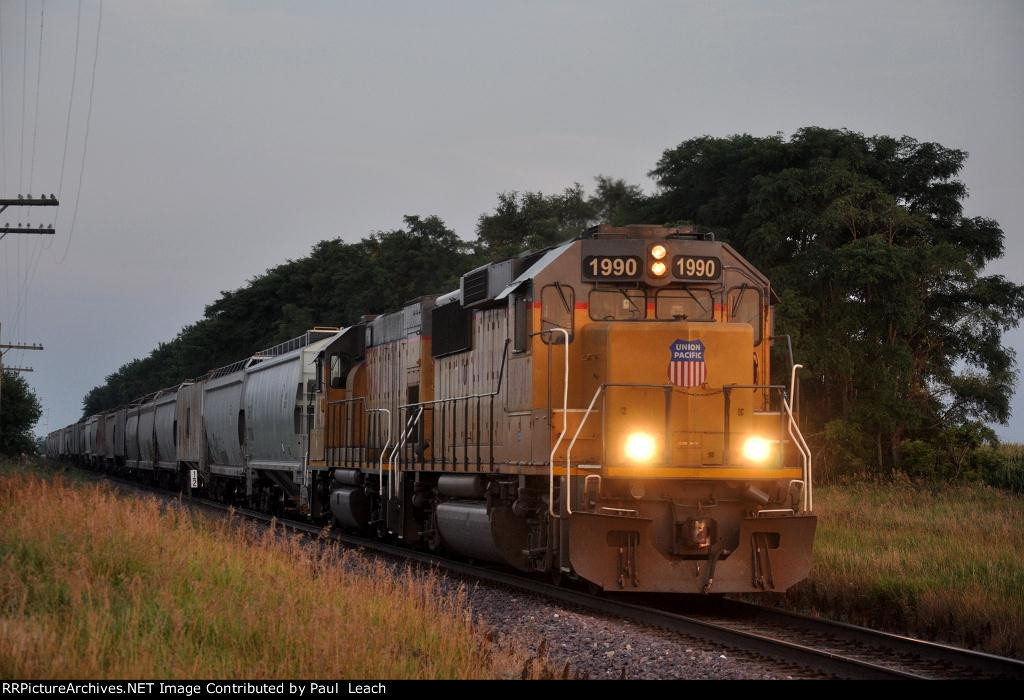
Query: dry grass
<point>943,563</point>
<point>1013,450</point>
<point>98,585</point>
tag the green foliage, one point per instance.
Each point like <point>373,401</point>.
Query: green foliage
<point>19,411</point>
<point>532,220</point>
<point>880,277</point>
<point>1003,467</point>
<point>920,459</point>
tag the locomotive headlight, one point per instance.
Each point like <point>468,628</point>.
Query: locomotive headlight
<point>659,252</point>
<point>757,449</point>
<point>640,447</point>
<point>658,268</point>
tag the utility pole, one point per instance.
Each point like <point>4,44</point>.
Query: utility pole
<point>22,201</point>
<point>4,347</point>
<point>29,201</point>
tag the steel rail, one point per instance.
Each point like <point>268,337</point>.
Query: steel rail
<point>989,665</point>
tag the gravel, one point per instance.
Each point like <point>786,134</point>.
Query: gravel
<point>598,646</point>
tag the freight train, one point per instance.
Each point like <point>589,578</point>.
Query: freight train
<point>599,411</point>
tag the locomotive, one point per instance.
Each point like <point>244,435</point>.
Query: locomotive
<point>600,411</point>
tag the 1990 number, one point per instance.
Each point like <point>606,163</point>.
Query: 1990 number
<point>611,267</point>
<point>690,267</point>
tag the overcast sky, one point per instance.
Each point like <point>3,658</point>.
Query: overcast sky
<point>227,137</point>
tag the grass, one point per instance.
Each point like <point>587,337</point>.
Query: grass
<point>98,585</point>
<point>943,563</point>
<point>94,584</point>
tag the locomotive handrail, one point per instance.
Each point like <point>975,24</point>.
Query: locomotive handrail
<point>387,443</point>
<point>568,451</point>
<point>348,448</point>
<point>801,444</point>
<point>797,437</point>
<point>410,425</point>
<point>565,421</point>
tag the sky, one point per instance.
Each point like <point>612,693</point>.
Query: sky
<point>227,137</point>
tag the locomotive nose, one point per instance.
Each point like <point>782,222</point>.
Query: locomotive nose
<point>663,402</point>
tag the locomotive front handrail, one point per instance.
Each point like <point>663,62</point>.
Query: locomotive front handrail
<point>568,451</point>
<point>801,444</point>
<point>565,420</point>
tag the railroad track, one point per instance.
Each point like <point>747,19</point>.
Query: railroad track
<point>832,649</point>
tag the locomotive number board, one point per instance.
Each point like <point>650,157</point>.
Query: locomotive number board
<point>612,267</point>
<point>698,268</point>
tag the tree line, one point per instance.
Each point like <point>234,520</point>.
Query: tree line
<point>880,276</point>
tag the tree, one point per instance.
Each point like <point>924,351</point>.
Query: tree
<point>19,411</point>
<point>880,274</point>
<point>531,221</point>
<point>534,220</point>
<point>616,202</point>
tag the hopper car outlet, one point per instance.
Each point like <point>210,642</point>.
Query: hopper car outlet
<point>601,410</point>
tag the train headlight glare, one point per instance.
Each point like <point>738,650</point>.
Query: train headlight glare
<point>658,268</point>
<point>640,447</point>
<point>658,252</point>
<point>757,449</point>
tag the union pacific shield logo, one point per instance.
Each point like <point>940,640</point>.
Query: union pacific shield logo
<point>686,367</point>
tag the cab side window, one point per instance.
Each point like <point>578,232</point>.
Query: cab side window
<point>744,304</point>
<point>337,380</point>
<point>557,302</point>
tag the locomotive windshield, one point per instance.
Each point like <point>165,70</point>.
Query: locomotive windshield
<point>745,307</point>
<point>556,308</point>
<point>685,305</point>
<point>618,305</point>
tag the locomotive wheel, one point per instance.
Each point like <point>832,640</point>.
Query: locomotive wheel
<point>557,577</point>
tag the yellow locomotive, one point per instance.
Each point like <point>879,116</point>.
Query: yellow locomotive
<point>599,410</point>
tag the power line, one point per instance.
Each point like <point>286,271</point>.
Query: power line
<point>71,99</point>
<point>39,75</point>
<point>3,111</point>
<point>38,245</point>
<point>85,143</point>
<point>24,96</point>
